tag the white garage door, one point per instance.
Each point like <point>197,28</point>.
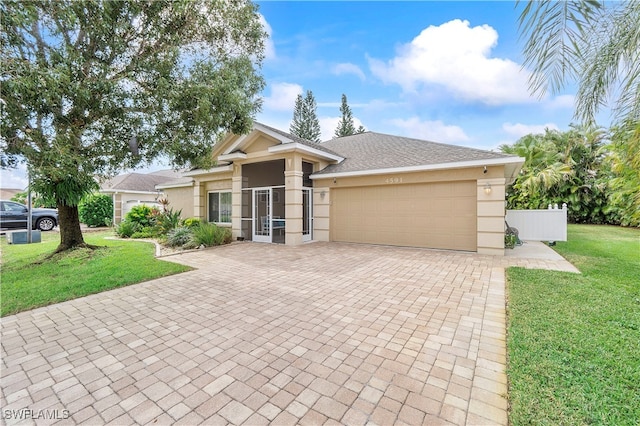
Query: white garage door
<point>129,204</point>
<point>436,215</point>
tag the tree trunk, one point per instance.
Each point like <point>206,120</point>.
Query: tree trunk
<point>70,233</point>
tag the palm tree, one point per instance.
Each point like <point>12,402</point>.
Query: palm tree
<point>542,170</point>
<point>586,42</point>
<point>624,155</point>
<point>563,167</point>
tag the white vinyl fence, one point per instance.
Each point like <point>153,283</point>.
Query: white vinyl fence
<point>540,225</point>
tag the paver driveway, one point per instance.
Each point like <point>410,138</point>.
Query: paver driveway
<point>321,333</point>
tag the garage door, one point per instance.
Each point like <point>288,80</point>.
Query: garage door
<point>434,215</point>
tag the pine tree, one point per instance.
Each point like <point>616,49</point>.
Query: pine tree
<point>305,122</point>
<point>346,127</point>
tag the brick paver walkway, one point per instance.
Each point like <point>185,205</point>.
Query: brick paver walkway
<point>322,333</point>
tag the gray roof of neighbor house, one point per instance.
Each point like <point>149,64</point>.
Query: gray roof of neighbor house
<point>9,193</point>
<point>139,182</point>
<point>376,151</point>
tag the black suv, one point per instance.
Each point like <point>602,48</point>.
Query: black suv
<point>14,216</point>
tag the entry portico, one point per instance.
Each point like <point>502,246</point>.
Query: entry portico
<point>261,187</point>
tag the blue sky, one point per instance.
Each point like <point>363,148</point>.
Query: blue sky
<point>444,71</point>
<point>448,72</point>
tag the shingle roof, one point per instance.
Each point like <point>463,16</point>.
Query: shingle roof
<point>373,151</point>
<point>139,181</point>
<point>9,193</point>
<point>182,181</point>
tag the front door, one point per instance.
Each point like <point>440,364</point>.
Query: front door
<point>262,207</point>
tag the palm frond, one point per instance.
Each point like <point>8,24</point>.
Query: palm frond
<point>556,34</point>
<point>611,73</point>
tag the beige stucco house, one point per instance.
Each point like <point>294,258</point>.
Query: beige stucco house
<point>270,186</point>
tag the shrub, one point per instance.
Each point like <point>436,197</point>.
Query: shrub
<point>205,233</point>
<point>179,237</point>
<point>167,220</point>
<point>209,234</point>
<point>191,222</point>
<point>164,203</point>
<point>142,215</point>
<point>146,232</point>
<point>127,228</point>
<point>226,236</point>
<point>96,210</point>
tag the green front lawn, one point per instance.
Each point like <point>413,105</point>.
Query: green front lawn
<point>574,340</point>
<point>29,280</point>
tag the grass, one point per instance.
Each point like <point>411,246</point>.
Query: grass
<point>29,280</point>
<point>574,340</point>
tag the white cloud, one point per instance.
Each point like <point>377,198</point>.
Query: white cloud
<point>457,57</point>
<point>374,105</point>
<point>348,68</point>
<point>519,130</point>
<point>435,131</point>
<point>14,178</point>
<point>283,96</point>
<point>269,47</point>
<point>328,126</point>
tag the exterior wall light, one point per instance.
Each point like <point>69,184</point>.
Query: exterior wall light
<point>487,188</point>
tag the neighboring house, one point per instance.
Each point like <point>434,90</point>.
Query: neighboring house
<point>270,186</point>
<point>179,193</point>
<point>9,193</point>
<point>131,189</point>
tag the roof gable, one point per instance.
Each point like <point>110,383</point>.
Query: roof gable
<point>264,137</point>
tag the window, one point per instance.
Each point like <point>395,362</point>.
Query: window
<point>14,207</point>
<point>220,207</point>
<point>307,171</point>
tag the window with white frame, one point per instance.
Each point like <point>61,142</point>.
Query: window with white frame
<point>220,207</point>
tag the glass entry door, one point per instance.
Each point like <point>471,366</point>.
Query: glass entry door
<point>262,199</point>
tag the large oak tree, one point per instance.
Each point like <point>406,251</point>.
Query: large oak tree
<point>91,87</point>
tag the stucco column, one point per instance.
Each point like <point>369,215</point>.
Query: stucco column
<point>293,200</point>
<point>321,209</point>
<point>491,212</point>
<point>117,208</point>
<point>199,204</point>
<point>236,201</point>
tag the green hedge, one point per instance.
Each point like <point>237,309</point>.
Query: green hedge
<point>96,210</point>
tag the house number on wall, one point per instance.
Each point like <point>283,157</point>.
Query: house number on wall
<point>393,180</point>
